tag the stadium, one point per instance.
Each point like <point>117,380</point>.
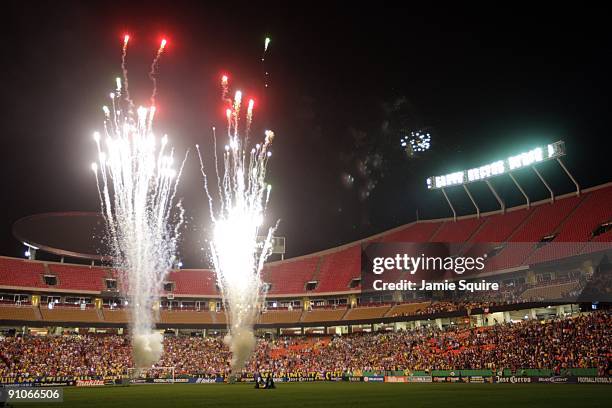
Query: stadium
<point>318,326</point>
<point>499,296</point>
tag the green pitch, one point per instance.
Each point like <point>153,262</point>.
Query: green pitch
<point>321,395</point>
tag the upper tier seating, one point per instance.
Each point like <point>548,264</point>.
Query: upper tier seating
<point>193,282</point>
<point>415,232</point>
<point>338,269</point>
<point>21,273</point>
<point>290,276</point>
<point>77,277</point>
<point>498,227</point>
<point>458,231</point>
<point>573,220</point>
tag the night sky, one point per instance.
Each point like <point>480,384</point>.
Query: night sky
<point>344,84</point>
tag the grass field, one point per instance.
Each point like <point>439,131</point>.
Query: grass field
<point>340,395</point>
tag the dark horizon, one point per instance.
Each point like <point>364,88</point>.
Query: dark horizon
<point>344,84</point>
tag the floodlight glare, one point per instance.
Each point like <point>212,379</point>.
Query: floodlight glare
<point>526,159</point>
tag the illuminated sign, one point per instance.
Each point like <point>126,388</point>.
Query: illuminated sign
<point>526,159</point>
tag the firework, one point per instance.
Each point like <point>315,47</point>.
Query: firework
<point>266,74</point>
<point>237,213</point>
<point>417,142</point>
<point>137,187</point>
<point>153,71</point>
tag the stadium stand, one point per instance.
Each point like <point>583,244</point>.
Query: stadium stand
<point>324,315</point>
<point>415,232</point>
<point>572,218</point>
<point>290,276</point>
<point>193,282</point>
<point>338,269</point>
<point>545,348</point>
<point>458,231</point>
<point>21,273</point>
<point>548,292</point>
<point>498,227</point>
<point>366,312</point>
<point>406,309</point>
<point>72,277</point>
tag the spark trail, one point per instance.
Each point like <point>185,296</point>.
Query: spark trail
<point>137,188</point>
<point>237,213</point>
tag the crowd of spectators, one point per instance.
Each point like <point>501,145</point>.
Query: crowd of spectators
<point>584,341</point>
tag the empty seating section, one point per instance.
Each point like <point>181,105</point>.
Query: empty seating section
<point>551,292</point>
<point>193,282</point>
<point>185,317</point>
<point>18,313</point>
<point>290,276</point>
<point>416,232</point>
<point>595,209</point>
<point>78,277</point>
<point>69,314</point>
<point>406,309</point>
<point>498,227</point>
<point>458,231</point>
<point>545,220</point>
<point>338,269</point>
<point>360,313</point>
<point>323,315</point>
<point>21,273</point>
<point>280,316</point>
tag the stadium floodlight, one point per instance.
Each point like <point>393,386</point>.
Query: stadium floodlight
<point>522,160</point>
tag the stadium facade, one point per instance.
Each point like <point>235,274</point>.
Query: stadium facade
<point>322,293</point>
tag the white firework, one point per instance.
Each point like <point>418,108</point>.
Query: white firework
<point>137,187</point>
<point>237,254</point>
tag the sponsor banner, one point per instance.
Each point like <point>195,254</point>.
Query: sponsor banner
<point>594,380</point>
<point>89,383</point>
<point>420,378</point>
<point>557,380</point>
<point>355,379</point>
<point>54,384</point>
<point>374,378</point>
<point>301,376</point>
<point>167,380</point>
<point>514,380</point>
<point>395,379</point>
<point>36,380</point>
<point>207,380</point>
